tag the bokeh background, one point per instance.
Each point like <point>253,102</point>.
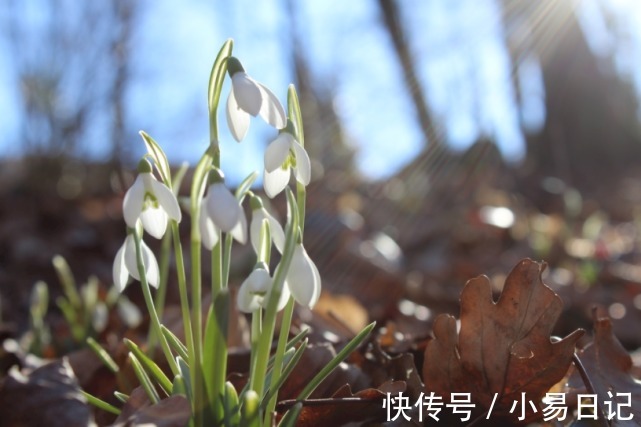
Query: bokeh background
<point>382,80</point>
<point>449,138</point>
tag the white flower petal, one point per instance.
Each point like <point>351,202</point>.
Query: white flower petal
<point>237,119</point>
<point>247,93</point>
<point>301,277</point>
<point>120,272</point>
<point>275,229</point>
<point>133,202</point>
<point>278,235</point>
<point>222,206</point>
<point>152,272</point>
<point>303,165</point>
<point>271,110</point>
<point>208,231</point>
<point>275,182</point>
<point>246,302</point>
<point>277,151</point>
<point>154,221</point>
<point>239,232</point>
<point>166,199</point>
<point>151,265</point>
<point>317,283</point>
<point>257,281</point>
<point>284,297</point>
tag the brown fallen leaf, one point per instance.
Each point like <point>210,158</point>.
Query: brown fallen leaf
<point>503,349</point>
<point>608,365</point>
<point>344,407</point>
<point>173,411</point>
<point>46,396</point>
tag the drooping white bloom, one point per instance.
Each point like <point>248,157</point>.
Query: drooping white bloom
<point>208,230</point>
<point>259,213</point>
<point>220,210</point>
<point>246,97</point>
<point>255,289</point>
<point>281,155</point>
<point>150,201</point>
<point>125,264</point>
<point>303,278</point>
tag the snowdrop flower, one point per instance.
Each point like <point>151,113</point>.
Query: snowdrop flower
<point>254,291</point>
<point>259,213</point>
<point>303,278</point>
<point>151,202</point>
<point>220,210</point>
<point>281,155</point>
<point>125,264</point>
<point>246,97</point>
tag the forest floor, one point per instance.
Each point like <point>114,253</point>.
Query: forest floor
<point>398,252</point>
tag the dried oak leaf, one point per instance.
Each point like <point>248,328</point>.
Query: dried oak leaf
<point>608,366</point>
<point>503,349</point>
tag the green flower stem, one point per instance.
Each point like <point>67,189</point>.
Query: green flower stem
<point>226,260</point>
<point>280,353</point>
<point>195,359</point>
<point>215,362</point>
<point>301,197</point>
<point>161,294</point>
<point>256,327</point>
<point>182,288</point>
<point>296,116</point>
<point>267,333</point>
<point>155,321</point>
<point>217,268</point>
<point>211,156</point>
<point>265,243</point>
<point>216,79</point>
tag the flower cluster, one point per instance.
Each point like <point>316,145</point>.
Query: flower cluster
<point>150,204</point>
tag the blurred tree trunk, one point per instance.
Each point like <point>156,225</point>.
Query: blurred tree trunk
<point>72,67</point>
<point>324,134</point>
<point>392,21</point>
<point>591,130</point>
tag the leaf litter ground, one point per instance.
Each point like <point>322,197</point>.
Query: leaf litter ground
<point>495,351</point>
